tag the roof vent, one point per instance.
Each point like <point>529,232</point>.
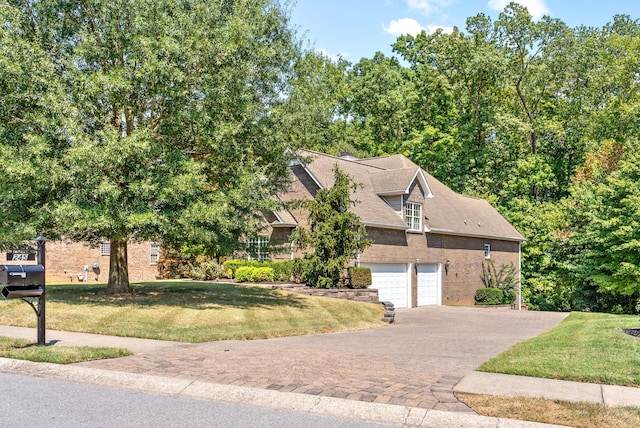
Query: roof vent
<point>348,156</point>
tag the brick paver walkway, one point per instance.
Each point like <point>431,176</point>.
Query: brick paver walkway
<point>415,362</point>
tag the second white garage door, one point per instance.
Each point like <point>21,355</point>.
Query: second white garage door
<point>392,282</point>
<point>428,285</point>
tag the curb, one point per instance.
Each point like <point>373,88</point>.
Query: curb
<point>288,401</point>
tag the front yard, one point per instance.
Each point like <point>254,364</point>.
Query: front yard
<point>193,311</point>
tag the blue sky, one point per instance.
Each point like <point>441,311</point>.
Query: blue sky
<point>358,28</point>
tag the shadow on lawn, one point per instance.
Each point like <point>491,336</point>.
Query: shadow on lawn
<point>187,294</point>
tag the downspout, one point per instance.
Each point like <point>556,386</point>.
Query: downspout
<point>519,276</point>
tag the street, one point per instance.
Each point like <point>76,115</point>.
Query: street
<point>38,402</point>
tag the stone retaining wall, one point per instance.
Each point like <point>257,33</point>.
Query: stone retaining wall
<point>359,294</point>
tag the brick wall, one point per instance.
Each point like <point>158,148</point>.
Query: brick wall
<point>65,261</point>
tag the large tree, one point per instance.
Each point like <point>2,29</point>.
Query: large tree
<point>168,132</point>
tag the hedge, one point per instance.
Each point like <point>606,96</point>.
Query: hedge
<point>489,296</point>
<point>360,277</point>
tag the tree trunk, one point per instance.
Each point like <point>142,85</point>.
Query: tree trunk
<point>118,267</point>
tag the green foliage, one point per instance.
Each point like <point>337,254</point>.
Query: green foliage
<point>336,234</point>
<point>254,274</point>
<point>604,242</point>
<point>282,269</point>
<point>205,270</point>
<point>263,274</point>
<point>490,296</point>
<point>359,277</point>
<point>505,278</point>
<point>154,124</point>
<point>244,274</point>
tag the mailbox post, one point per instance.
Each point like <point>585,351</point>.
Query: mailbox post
<point>27,282</point>
<point>41,314</point>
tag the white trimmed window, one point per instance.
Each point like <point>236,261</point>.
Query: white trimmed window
<point>155,253</point>
<point>487,251</point>
<point>258,248</point>
<point>413,215</point>
<point>105,248</point>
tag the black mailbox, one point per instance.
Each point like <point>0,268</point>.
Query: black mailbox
<point>20,281</point>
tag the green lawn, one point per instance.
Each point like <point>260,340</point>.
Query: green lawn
<point>20,349</point>
<point>585,347</point>
<point>192,311</point>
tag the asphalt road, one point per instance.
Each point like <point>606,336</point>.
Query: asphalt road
<point>36,402</point>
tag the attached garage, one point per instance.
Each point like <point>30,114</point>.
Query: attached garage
<point>429,291</point>
<point>392,282</point>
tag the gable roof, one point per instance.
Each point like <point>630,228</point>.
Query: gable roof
<point>445,211</point>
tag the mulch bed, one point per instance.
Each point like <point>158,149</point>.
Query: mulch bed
<point>635,332</point>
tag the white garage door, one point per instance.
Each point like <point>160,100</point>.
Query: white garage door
<point>428,285</point>
<point>392,283</point>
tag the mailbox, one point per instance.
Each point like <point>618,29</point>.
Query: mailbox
<point>21,281</point>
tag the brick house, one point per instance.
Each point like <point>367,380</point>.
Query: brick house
<point>77,262</point>
<point>429,241</point>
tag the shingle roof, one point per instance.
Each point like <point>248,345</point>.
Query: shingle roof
<point>445,211</point>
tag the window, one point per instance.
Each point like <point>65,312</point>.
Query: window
<point>487,251</point>
<point>155,253</point>
<point>105,248</point>
<point>258,248</point>
<point>413,215</point>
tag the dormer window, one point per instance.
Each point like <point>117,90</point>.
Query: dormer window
<point>413,215</point>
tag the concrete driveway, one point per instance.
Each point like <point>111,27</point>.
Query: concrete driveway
<point>414,362</point>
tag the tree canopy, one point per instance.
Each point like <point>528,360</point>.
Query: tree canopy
<point>163,114</point>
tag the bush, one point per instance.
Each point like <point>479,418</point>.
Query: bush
<point>283,270</point>
<point>244,274</point>
<point>360,277</point>
<point>205,271</point>
<point>489,296</point>
<point>254,274</point>
<point>262,274</point>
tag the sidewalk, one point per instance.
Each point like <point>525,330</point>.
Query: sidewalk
<point>551,389</point>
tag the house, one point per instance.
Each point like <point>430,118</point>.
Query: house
<point>78,262</point>
<point>429,242</point>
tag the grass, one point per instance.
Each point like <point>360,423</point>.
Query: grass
<point>193,311</point>
<point>583,415</point>
<point>585,347</point>
<point>20,349</point>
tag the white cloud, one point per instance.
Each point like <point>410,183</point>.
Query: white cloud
<point>433,28</point>
<point>404,26</point>
<point>537,8</point>
<point>428,7</point>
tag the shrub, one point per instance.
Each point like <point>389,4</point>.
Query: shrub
<point>283,270</point>
<point>205,271</point>
<point>244,274</point>
<point>262,274</point>
<point>360,277</point>
<point>489,296</point>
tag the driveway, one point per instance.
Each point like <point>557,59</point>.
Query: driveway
<point>414,362</point>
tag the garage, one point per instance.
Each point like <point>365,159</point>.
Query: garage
<point>428,285</point>
<point>392,283</point>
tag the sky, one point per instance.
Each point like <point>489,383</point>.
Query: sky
<point>354,29</point>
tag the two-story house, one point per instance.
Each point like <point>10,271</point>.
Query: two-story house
<point>429,242</point>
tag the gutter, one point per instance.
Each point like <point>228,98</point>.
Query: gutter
<point>477,235</point>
